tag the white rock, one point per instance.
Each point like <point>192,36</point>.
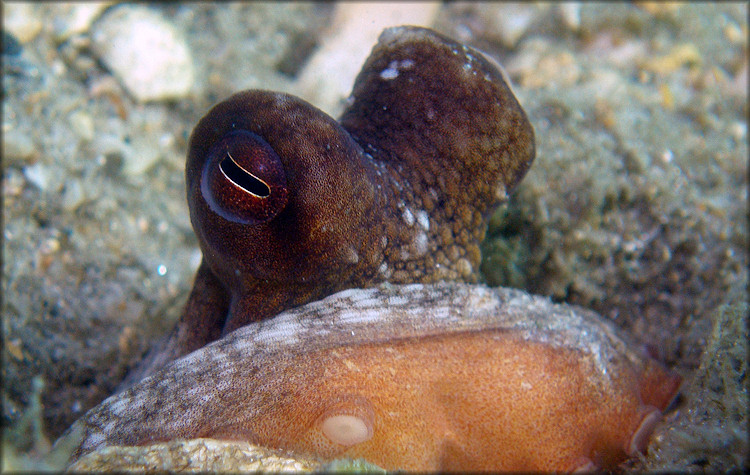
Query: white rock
<point>82,124</point>
<point>38,175</point>
<point>21,20</point>
<point>145,52</point>
<point>73,18</point>
<point>571,14</point>
<point>512,21</point>
<point>73,195</point>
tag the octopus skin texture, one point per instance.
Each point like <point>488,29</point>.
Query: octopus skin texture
<point>446,376</point>
<point>290,205</point>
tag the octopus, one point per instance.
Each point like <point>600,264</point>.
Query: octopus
<point>290,206</point>
<point>337,311</point>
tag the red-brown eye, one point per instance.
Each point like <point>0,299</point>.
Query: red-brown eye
<point>243,179</point>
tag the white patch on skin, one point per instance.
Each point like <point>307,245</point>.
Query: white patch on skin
<point>244,344</point>
<point>348,293</point>
<point>383,270</point>
<point>405,254</point>
<point>501,194</point>
<point>346,430</point>
<point>96,439</point>
<point>362,299</point>
<point>423,219</point>
<point>351,255</point>
<point>406,63</point>
<point>108,428</point>
<point>391,72</point>
<point>119,407</point>
<point>285,330</point>
<point>421,244</point>
<point>408,217</point>
<point>362,315</point>
<point>397,300</point>
<point>282,100</point>
<point>433,193</point>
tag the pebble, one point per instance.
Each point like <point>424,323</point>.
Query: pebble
<point>685,54</point>
<point>502,22</point>
<point>82,124</point>
<point>73,195</point>
<point>13,183</point>
<point>145,52</point>
<point>539,65</point>
<point>18,146</point>
<point>511,22</point>
<point>74,18</point>
<point>20,21</point>
<point>570,13</point>
<point>38,175</point>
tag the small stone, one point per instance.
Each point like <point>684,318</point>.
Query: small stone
<point>733,32</point>
<point>13,183</point>
<point>659,9</point>
<point>83,125</point>
<point>74,18</point>
<point>570,12</point>
<point>145,52</point>
<point>685,54</point>
<point>512,21</point>
<point>73,195</point>
<point>18,146</point>
<point>38,175</point>
<point>22,21</point>
<point>14,348</point>
<point>540,64</point>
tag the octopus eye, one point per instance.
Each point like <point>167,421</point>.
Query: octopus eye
<point>243,179</point>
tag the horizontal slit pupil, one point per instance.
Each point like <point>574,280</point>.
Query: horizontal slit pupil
<point>243,179</point>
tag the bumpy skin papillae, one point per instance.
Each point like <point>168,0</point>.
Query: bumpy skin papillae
<point>432,140</point>
<point>440,376</point>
